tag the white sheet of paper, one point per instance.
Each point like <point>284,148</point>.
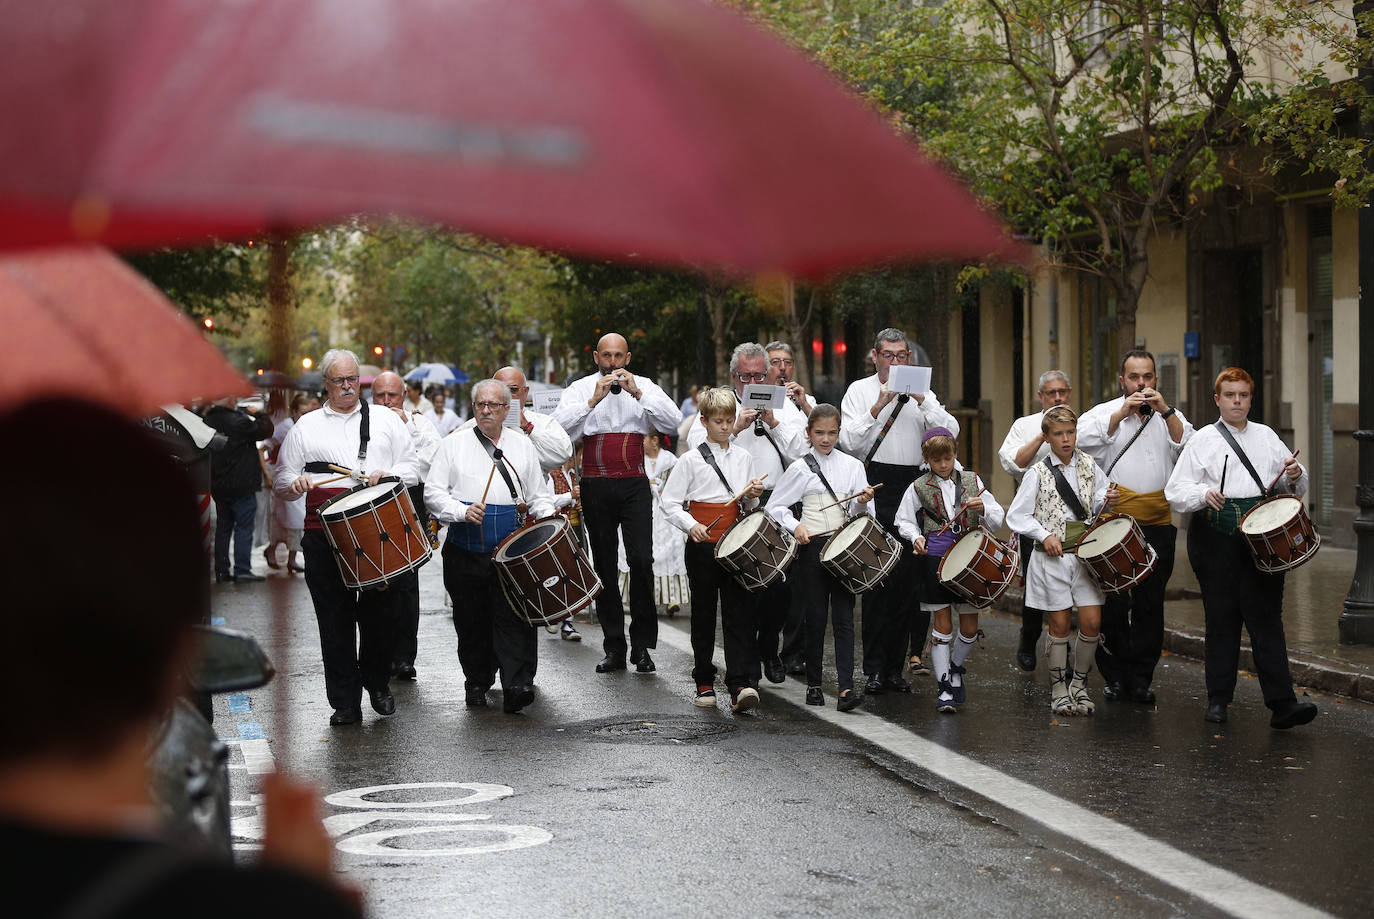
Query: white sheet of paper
<point>544,401</point>
<point>762,397</point>
<point>905,378</point>
<point>513,416</point>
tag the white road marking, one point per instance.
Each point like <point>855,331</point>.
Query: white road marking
<point>1221,888</point>
<point>257,756</point>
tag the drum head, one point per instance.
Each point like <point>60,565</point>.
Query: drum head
<point>844,537</point>
<point>1105,535</point>
<point>359,497</point>
<point>1271,514</point>
<point>530,539</point>
<point>962,553</point>
<point>741,532</point>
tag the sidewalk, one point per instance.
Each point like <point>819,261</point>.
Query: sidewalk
<point>1314,595</point>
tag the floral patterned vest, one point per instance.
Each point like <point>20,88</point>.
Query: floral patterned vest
<point>1050,509</point>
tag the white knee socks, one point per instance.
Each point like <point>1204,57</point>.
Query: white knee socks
<point>940,655</point>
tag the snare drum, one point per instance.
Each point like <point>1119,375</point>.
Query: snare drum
<point>756,550</point>
<point>544,573</point>
<point>375,533</point>
<point>1280,534</point>
<point>1116,553</point>
<point>861,554</point>
<point>979,567</point>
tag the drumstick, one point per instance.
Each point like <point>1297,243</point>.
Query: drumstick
<point>1224,460</point>
<point>962,512</point>
<point>343,469</point>
<point>733,500</point>
<point>1280,475</point>
<point>335,479</point>
<point>491,475</point>
<point>850,498</point>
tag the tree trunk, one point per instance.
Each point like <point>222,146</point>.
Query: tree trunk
<point>794,332</point>
<point>715,311</point>
<point>279,300</point>
<point>1128,289</point>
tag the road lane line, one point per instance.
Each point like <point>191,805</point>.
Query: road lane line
<point>240,704</point>
<point>1197,878</point>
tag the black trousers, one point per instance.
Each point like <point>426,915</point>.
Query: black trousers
<point>357,628</point>
<point>794,624</point>
<point>405,591</point>
<point>1032,619</point>
<point>491,638</point>
<point>609,505</point>
<point>712,587</point>
<point>774,606</point>
<point>1133,620</point>
<point>892,611</point>
<point>1235,592</point>
<point>826,600</point>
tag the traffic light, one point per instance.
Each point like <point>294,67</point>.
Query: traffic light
<point>307,363</point>
<point>209,323</point>
<point>378,350</point>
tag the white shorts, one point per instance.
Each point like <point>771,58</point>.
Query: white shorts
<point>1058,583</point>
<point>956,609</point>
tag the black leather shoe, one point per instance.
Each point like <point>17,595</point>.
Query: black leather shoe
<point>1216,713</point>
<point>1143,694</point>
<point>475,698</point>
<point>383,702</point>
<point>849,701</point>
<point>894,683</point>
<point>403,671</point>
<point>222,578</point>
<point>1025,651</point>
<point>643,662</point>
<point>250,576</point>
<point>874,686</point>
<point>1113,692</point>
<point>774,671</point>
<point>611,662</point>
<point>1291,714</point>
<point>814,696</point>
<point>345,716</point>
<point>796,668</point>
<point>517,697</point>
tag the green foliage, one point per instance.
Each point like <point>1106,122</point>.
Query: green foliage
<point>221,281</point>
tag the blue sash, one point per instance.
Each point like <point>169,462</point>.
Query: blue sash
<point>500,521</point>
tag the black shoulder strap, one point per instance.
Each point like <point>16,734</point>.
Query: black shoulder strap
<point>1245,460</point>
<point>815,467</point>
<point>364,435</point>
<point>498,458</point>
<point>887,426</point>
<point>705,451</point>
<point>1061,485</point>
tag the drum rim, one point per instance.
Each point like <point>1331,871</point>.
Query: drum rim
<point>863,520</point>
<point>1266,503</point>
<point>361,508</point>
<point>1131,526</point>
<point>560,525</point>
<point>763,516</point>
<point>410,566</point>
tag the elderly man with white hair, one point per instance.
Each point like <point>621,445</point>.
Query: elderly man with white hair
<point>357,628</point>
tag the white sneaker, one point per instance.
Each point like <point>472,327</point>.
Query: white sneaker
<point>569,632</point>
<point>744,700</point>
<point>706,697</point>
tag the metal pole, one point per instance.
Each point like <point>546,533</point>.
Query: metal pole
<point>1356,624</point>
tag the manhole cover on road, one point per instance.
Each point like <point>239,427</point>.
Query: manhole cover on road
<point>661,730</point>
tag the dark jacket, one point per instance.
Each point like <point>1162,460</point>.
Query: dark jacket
<point>235,470</point>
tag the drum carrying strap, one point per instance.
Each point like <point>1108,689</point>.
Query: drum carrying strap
<point>705,450</point>
<point>1244,460</point>
<point>1066,492</point>
<point>815,468</point>
<point>364,435</point>
<point>887,426</point>
<point>501,462</point>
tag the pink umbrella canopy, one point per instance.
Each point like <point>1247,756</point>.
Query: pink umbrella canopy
<point>78,321</point>
<point>670,131</point>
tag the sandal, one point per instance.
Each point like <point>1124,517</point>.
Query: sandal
<point>918,668</point>
<point>269,554</point>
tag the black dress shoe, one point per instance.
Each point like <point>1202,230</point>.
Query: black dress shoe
<point>796,668</point>
<point>403,671</point>
<point>1025,651</point>
<point>774,671</point>
<point>250,576</point>
<point>849,701</point>
<point>1143,694</point>
<point>345,716</point>
<point>475,698</point>
<point>611,662</point>
<point>1113,692</point>
<point>221,578</point>
<point>643,662</point>
<point>1216,713</point>
<point>874,686</point>
<point>517,697</point>
<point>1292,713</point>
<point>383,702</point>
<point>814,696</point>
<point>894,683</point>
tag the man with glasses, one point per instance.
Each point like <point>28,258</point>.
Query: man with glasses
<point>1024,445</point>
<point>774,443</point>
<point>781,372</point>
<point>610,411</point>
<point>388,391</point>
<point>357,628</point>
<point>884,429</point>
<point>485,483</point>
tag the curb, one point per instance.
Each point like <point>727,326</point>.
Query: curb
<point>1309,670</point>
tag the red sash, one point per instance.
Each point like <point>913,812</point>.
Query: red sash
<point>314,498</point>
<point>612,456</point>
<point>717,518</point>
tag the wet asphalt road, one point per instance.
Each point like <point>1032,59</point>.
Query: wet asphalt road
<point>613,795</point>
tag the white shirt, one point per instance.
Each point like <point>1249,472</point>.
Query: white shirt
<point>424,406</point>
<point>1023,431</point>
<point>844,473</point>
<point>1199,466</point>
<point>656,468</point>
<point>462,468</point>
<point>426,439</point>
<point>551,442</point>
<point>789,435</point>
<point>1021,514</point>
<point>908,523</point>
<point>694,480</point>
<point>328,436</point>
<point>444,422</point>
<point>618,413</point>
<point>902,445</point>
<point>1146,466</point>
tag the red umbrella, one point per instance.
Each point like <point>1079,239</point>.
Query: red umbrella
<point>79,321</point>
<point>668,129</point>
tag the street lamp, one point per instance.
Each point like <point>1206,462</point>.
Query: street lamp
<point>306,363</point>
